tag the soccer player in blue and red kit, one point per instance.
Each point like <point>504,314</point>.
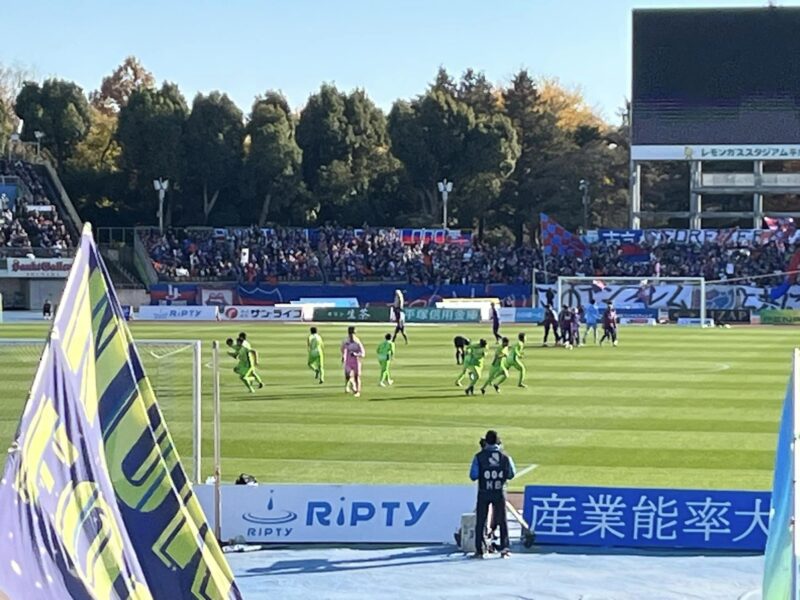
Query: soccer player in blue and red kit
<point>565,325</point>
<point>550,322</point>
<point>609,325</point>
<point>496,323</point>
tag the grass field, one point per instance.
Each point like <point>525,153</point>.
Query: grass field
<point>672,407</point>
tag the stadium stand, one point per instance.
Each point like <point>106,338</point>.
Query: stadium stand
<point>31,223</point>
<point>372,254</point>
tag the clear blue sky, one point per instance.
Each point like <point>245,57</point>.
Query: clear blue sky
<point>392,48</point>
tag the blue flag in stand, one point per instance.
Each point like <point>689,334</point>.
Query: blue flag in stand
<point>94,503</point>
<point>557,241</point>
<point>778,555</point>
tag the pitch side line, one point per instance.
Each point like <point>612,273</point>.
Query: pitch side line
<point>525,471</point>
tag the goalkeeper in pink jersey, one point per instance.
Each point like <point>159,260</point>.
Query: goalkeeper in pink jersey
<point>352,353</point>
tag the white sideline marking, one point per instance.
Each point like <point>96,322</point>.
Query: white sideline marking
<point>525,471</point>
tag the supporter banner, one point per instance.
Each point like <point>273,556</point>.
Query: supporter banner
<point>780,317</point>
<point>384,514</point>
<point>264,313</point>
<point>679,296</point>
<point>435,236</point>
<point>216,297</point>
<point>379,314</point>
<point>443,315</point>
<point>174,293</point>
<point>178,313</point>
<point>37,268</point>
<point>648,518</point>
<point>719,315</point>
<point>662,296</point>
<point>686,236</point>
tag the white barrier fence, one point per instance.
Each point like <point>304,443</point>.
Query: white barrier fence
<point>339,513</point>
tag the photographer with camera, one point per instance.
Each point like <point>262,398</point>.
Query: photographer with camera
<point>492,469</point>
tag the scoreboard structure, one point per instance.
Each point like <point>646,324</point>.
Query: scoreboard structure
<point>712,85</point>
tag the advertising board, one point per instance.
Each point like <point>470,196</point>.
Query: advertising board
<point>340,513</point>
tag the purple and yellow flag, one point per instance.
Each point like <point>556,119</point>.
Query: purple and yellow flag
<point>94,502</point>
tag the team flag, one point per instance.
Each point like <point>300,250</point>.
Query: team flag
<point>778,556</point>
<point>781,290</point>
<point>557,241</point>
<point>94,502</point>
<point>598,285</point>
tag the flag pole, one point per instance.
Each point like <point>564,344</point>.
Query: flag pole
<point>541,245</point>
<point>795,455</point>
<point>217,445</point>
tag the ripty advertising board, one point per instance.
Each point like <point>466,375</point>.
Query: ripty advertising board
<point>340,513</point>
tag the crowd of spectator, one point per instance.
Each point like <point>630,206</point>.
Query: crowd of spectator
<point>29,222</point>
<point>347,255</point>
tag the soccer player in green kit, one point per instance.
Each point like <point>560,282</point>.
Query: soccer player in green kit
<point>515,359</point>
<point>473,365</point>
<point>246,369</point>
<point>498,372</point>
<point>316,360</point>
<point>386,351</point>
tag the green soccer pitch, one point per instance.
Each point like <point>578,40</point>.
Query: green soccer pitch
<point>669,407</point>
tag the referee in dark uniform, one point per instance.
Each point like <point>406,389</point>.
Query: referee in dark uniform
<point>492,469</point>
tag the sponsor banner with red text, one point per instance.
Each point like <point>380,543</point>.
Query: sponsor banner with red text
<point>261,313</point>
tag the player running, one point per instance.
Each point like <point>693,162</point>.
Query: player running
<point>316,359</point>
<point>399,324</point>
<point>496,323</point>
<point>461,343</point>
<point>386,350</point>
<point>609,325</point>
<point>473,365</point>
<point>515,359</point>
<point>248,360</point>
<point>592,316</point>
<point>352,353</point>
<point>498,372</point>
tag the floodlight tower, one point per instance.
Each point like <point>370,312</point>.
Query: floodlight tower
<point>161,186</point>
<point>445,187</point>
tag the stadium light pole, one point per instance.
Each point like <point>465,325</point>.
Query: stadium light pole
<point>445,187</point>
<point>38,135</point>
<point>161,186</point>
<point>583,186</point>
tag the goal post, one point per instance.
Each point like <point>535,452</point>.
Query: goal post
<point>593,284</point>
<point>174,368</point>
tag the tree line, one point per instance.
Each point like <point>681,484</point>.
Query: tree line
<point>512,151</point>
